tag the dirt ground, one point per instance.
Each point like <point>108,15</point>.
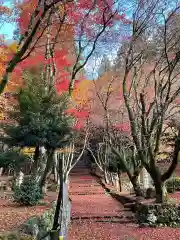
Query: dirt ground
<point>12,215</point>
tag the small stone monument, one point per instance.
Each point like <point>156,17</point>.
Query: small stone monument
<point>145,179</point>
<point>116,178</point>
<point>20,178</point>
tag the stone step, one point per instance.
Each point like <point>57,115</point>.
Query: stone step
<point>87,193</point>
<point>79,173</point>
<point>96,217</point>
<point>83,180</point>
<point>129,205</point>
<point>80,168</point>
<point>105,218</point>
<point>84,185</point>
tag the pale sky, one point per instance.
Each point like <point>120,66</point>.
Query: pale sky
<point>8,28</point>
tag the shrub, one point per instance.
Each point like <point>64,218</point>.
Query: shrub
<point>13,159</point>
<point>166,214</point>
<point>13,236</point>
<point>29,193</point>
<point>173,185</point>
<point>38,226</point>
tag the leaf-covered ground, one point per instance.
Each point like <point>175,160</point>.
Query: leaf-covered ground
<point>104,218</point>
<point>12,215</point>
<point>96,215</point>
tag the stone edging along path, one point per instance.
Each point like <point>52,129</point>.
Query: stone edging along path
<point>127,200</point>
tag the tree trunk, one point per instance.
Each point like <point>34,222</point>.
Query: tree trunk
<point>66,177</point>
<point>175,160</point>
<point>111,178</point>
<point>36,161</point>
<point>47,170</point>
<point>106,178</point>
<point>59,202</point>
<point>42,164</point>
<point>56,177</point>
<point>120,184</point>
<point>161,192</point>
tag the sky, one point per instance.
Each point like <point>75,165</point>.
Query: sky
<point>8,28</point>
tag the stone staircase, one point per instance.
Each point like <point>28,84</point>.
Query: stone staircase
<point>91,201</point>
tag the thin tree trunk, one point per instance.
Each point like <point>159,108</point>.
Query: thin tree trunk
<point>36,161</point>
<point>106,176</point>
<point>42,164</point>
<point>59,205</point>
<point>47,170</point>
<point>66,177</point>
<point>120,184</point>
<point>111,176</point>
<point>56,177</point>
<point>176,158</point>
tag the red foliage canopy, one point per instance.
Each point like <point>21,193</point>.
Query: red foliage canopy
<point>94,15</point>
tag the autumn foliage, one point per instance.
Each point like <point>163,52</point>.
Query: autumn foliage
<point>73,23</point>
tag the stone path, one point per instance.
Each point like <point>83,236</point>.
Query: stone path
<point>97,216</point>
